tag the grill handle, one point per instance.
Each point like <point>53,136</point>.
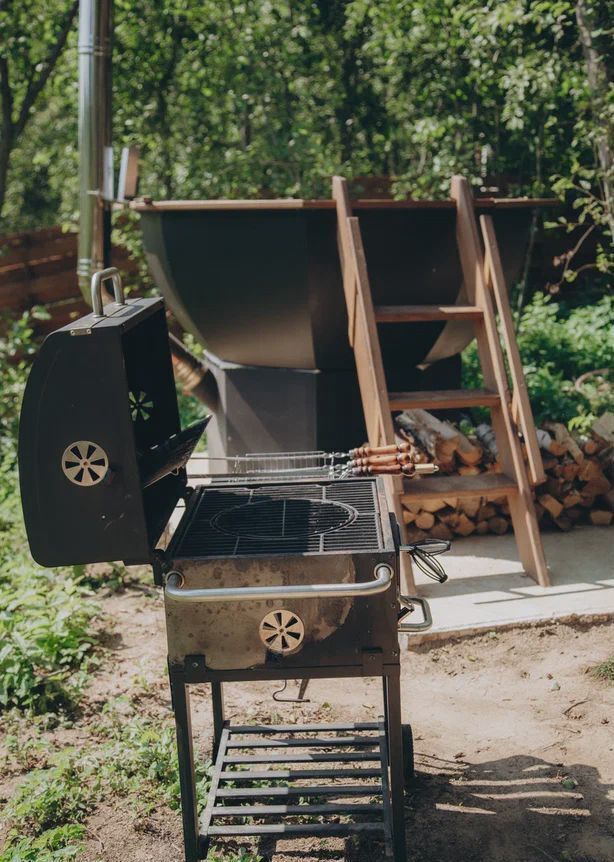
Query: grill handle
<point>97,279</point>
<point>408,602</point>
<point>383,575</point>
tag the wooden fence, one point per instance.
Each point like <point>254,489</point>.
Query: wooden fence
<point>40,268</point>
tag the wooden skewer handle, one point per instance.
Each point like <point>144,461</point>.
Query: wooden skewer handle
<point>372,460</point>
<point>426,469</point>
<point>367,451</point>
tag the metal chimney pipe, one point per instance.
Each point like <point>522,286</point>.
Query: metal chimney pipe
<point>95,167</point>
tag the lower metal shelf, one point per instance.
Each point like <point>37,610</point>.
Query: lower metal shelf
<point>321,802</point>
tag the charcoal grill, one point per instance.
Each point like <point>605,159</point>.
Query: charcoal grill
<point>265,578</point>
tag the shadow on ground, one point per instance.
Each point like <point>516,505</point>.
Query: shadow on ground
<point>516,809</point>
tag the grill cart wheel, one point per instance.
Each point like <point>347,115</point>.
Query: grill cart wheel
<point>409,774</point>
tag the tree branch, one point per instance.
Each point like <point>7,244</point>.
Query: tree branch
<point>36,84</point>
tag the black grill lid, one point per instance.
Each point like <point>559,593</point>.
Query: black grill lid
<point>340,516</point>
<point>101,451</point>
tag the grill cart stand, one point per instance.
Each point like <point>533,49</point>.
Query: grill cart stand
<point>366,760</point>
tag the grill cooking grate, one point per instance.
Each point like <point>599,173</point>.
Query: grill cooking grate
<point>280,519</point>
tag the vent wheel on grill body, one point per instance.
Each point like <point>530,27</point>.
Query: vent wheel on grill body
<point>282,631</point>
<point>85,463</point>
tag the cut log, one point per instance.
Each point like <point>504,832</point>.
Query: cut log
<point>539,512</point>
<point>441,531</point>
<point>591,447</point>
<point>606,460</point>
<point>464,470</point>
<point>596,487</point>
<point>408,517</point>
<point>482,528</point>
<point>448,516</point>
<point>569,470</point>
<point>549,462</point>
<point>548,444</point>
<point>498,525</point>
<point>552,506</point>
<point>603,429</point>
<point>608,499</point>
<point>587,501</point>
<point>601,517</point>
<point>468,452</point>
<point>591,469</point>
<point>555,487</point>
<point>411,504</point>
<point>433,505</point>
<point>571,499</point>
<point>470,506</point>
<point>413,534</point>
<point>464,526</point>
<point>439,439</point>
<point>425,520</point>
<point>487,439</point>
<point>574,513</point>
<point>563,523</point>
<point>488,510</point>
<point>562,436</point>
<point>452,502</point>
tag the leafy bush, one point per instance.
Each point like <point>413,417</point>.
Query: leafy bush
<point>557,345</point>
<point>55,845</point>
<point>45,615</point>
<point>49,798</point>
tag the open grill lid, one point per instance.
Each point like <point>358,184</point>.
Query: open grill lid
<point>101,451</point>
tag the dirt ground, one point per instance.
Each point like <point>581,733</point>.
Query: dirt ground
<point>514,744</point>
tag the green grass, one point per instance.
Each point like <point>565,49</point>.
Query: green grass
<point>604,670</point>
<point>63,843</point>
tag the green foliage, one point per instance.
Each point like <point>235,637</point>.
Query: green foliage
<point>131,756</point>
<point>604,670</point>
<point>139,757</point>
<point>48,798</point>
<point>45,616</point>
<point>54,845</point>
<point>557,345</point>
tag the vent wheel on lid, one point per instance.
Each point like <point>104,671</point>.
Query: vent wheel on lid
<point>282,631</point>
<point>85,463</point>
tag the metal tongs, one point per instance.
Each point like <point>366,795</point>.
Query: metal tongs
<point>424,554</point>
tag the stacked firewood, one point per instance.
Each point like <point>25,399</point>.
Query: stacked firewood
<point>579,488</point>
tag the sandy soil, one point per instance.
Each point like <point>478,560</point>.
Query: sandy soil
<point>500,721</point>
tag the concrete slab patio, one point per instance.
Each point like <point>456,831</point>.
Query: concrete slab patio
<point>487,587</point>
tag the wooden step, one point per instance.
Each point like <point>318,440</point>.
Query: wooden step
<point>443,399</point>
<point>424,313</point>
<point>487,485</point>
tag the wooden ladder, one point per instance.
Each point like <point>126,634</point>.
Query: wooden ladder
<point>486,292</point>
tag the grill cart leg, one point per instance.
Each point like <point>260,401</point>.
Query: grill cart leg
<point>187,780</point>
<point>217,700</point>
<point>395,748</point>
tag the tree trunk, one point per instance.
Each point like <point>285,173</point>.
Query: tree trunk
<point>5,158</point>
<point>597,77</point>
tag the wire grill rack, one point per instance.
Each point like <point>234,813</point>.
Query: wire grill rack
<point>287,465</point>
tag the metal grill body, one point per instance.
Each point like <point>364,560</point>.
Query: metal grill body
<point>277,535</point>
<point>293,577</point>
